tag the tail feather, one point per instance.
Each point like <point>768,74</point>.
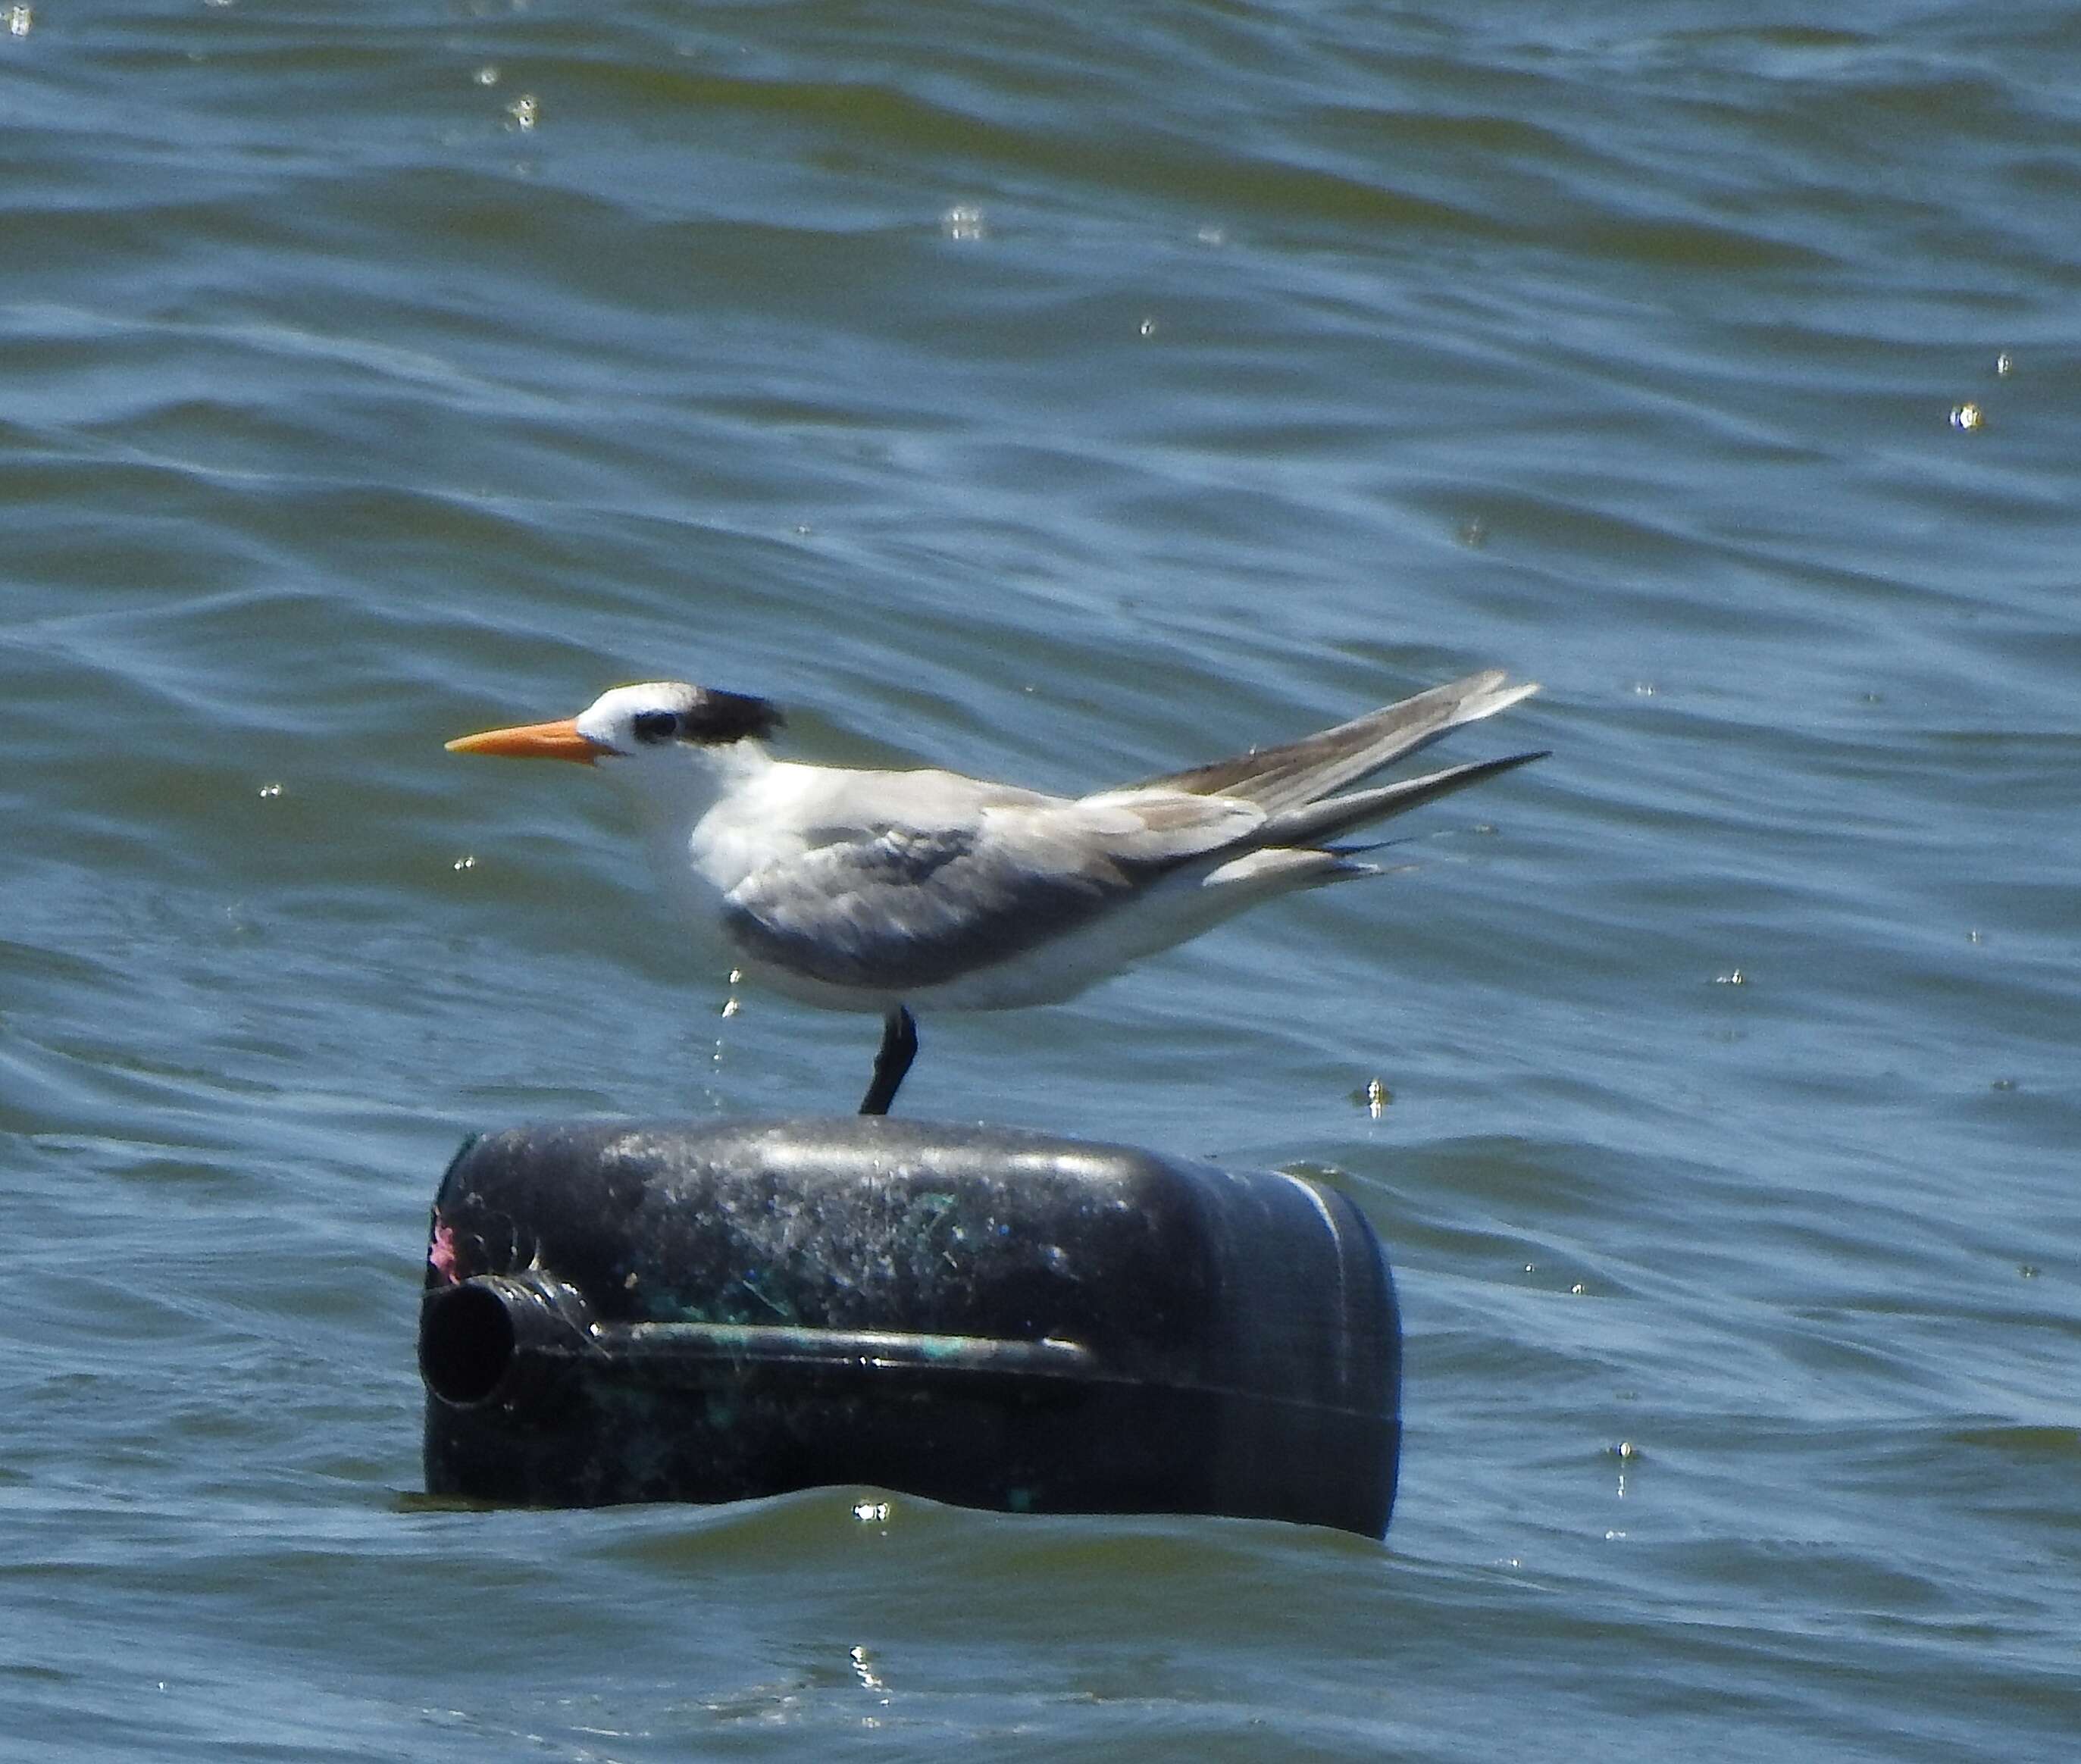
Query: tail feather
<point>1285,778</point>
<point>1313,822</point>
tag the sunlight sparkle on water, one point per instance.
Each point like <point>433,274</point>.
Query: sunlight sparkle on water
<point>863,1665</point>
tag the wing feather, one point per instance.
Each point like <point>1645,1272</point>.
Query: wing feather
<point>1303,772</point>
<point>898,908</point>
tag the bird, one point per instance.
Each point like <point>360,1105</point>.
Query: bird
<point>895,892</point>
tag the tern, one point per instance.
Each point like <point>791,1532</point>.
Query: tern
<point>886,891</point>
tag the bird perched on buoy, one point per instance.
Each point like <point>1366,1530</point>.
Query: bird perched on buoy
<point>893,890</point>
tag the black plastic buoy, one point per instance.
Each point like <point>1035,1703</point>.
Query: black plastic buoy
<point>710,1312</point>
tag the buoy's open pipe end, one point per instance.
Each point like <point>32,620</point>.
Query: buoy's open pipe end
<point>482,1339</point>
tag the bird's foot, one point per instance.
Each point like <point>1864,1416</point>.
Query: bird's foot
<point>899,1048</point>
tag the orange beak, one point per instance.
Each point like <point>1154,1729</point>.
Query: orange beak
<point>532,740</point>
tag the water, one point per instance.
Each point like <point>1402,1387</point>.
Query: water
<point>1066,397</point>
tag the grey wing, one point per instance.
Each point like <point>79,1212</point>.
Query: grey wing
<point>898,909</point>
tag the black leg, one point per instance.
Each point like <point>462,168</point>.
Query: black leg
<point>899,1048</point>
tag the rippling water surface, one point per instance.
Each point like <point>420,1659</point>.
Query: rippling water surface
<point>1066,395</point>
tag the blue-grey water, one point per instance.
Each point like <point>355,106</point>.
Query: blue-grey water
<point>1067,394</point>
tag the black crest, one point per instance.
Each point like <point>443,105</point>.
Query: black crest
<point>715,719</point>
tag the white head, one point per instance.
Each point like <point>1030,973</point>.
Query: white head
<point>632,720</point>
<point>638,728</point>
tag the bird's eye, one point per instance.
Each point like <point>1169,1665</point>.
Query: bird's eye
<point>655,726</point>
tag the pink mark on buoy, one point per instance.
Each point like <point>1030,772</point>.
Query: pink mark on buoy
<point>441,1252</point>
